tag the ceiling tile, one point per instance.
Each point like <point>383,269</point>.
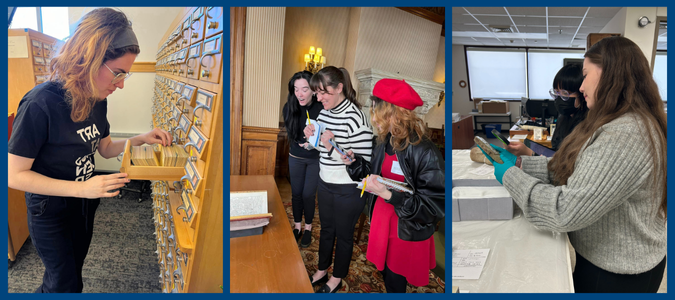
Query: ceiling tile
<point>460,19</point>
<point>494,20</point>
<point>567,11</point>
<point>525,11</point>
<point>486,10</point>
<point>603,12</point>
<point>529,21</point>
<point>564,21</point>
<point>596,21</point>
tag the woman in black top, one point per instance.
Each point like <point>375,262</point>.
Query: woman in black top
<point>570,104</point>
<point>59,126</point>
<point>303,162</point>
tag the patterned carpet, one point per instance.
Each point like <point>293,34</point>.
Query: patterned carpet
<point>121,256</point>
<point>363,275</point>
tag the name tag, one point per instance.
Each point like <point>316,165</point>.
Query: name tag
<point>396,168</point>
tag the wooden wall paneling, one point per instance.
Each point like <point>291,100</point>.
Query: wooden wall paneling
<point>259,147</point>
<point>237,47</point>
<point>281,169</point>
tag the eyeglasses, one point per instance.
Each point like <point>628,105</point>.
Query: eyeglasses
<point>565,95</point>
<point>118,76</point>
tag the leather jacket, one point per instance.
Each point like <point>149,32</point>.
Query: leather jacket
<point>424,170</point>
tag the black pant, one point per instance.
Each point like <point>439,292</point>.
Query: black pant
<point>394,283</point>
<point>588,278</point>
<point>339,209</point>
<point>304,179</point>
<point>61,230</point>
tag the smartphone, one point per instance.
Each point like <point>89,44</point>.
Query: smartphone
<point>500,137</point>
<point>342,152</point>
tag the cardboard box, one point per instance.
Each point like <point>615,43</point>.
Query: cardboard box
<point>495,107</point>
<point>484,203</point>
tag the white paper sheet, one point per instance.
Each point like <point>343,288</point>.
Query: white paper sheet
<point>468,264</point>
<point>17,47</point>
<point>518,137</point>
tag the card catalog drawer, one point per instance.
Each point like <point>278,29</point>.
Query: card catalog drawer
<point>40,69</point>
<point>196,144</point>
<point>37,47</point>
<point>214,21</point>
<point>203,111</point>
<point>148,173</point>
<point>197,25</point>
<point>211,59</point>
<point>192,61</point>
<point>38,60</point>
<point>184,39</point>
<point>187,96</point>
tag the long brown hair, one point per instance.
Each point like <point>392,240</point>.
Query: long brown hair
<point>626,85</point>
<point>332,76</point>
<point>405,126</point>
<point>79,60</point>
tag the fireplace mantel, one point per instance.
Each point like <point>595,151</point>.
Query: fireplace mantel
<point>428,90</point>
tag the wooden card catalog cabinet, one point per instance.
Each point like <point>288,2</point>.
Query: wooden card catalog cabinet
<point>26,69</point>
<point>188,208</point>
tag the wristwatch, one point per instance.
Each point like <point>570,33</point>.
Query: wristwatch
<point>519,162</point>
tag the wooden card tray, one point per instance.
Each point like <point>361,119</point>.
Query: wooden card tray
<point>148,173</point>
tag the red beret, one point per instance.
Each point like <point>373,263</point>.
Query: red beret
<point>397,92</point>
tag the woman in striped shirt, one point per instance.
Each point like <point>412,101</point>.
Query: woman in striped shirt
<point>340,204</point>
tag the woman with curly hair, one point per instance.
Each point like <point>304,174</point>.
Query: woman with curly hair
<point>401,243</point>
<point>59,126</point>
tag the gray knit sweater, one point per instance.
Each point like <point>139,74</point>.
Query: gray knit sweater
<point>609,206</point>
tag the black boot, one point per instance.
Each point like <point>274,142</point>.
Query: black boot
<point>306,239</point>
<point>296,233</point>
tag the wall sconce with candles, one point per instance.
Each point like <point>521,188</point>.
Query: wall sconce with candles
<point>314,61</point>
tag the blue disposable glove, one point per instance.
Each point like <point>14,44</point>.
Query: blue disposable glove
<point>508,159</point>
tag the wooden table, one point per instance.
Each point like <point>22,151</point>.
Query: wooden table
<point>271,262</point>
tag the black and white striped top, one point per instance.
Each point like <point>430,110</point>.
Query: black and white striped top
<point>352,131</point>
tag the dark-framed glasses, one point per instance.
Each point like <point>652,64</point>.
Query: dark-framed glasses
<point>118,76</point>
<point>565,95</point>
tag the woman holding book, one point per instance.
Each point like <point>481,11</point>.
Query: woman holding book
<point>340,206</point>
<point>401,243</point>
<point>59,126</point>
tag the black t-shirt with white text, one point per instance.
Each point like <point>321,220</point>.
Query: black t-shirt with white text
<point>43,130</point>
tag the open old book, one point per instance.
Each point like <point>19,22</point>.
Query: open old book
<point>248,213</point>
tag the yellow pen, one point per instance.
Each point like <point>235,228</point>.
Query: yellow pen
<point>364,186</point>
<point>308,120</point>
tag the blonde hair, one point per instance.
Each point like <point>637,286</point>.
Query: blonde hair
<point>405,126</point>
<point>80,59</point>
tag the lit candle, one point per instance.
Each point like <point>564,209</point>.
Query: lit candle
<point>323,60</point>
<point>311,50</point>
<point>316,58</point>
<point>307,59</point>
<point>319,51</point>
